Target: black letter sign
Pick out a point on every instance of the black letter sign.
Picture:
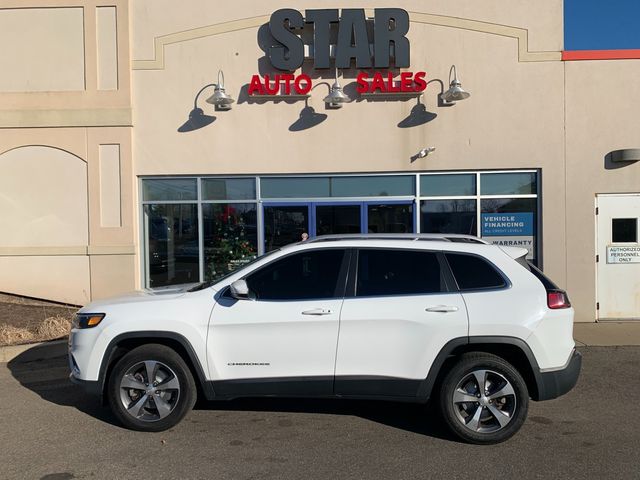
(322, 20)
(289, 55)
(353, 40)
(384, 35)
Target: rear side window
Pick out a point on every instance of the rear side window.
(473, 273)
(398, 272)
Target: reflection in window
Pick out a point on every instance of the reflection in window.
(385, 218)
(295, 187)
(284, 225)
(230, 237)
(337, 219)
(448, 185)
(448, 216)
(391, 185)
(228, 188)
(172, 237)
(508, 183)
(169, 189)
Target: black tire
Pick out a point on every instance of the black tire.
(487, 420)
(168, 367)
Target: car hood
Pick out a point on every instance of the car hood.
(139, 296)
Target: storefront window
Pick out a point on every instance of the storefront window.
(448, 216)
(228, 188)
(379, 186)
(448, 185)
(172, 238)
(295, 187)
(169, 189)
(243, 217)
(230, 237)
(511, 222)
(518, 183)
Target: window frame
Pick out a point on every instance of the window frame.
(341, 282)
(445, 273)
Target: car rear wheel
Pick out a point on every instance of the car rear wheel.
(483, 399)
(151, 388)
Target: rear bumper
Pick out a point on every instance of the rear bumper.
(558, 382)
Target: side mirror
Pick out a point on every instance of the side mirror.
(240, 290)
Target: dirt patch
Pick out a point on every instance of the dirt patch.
(27, 320)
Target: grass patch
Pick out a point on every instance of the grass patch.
(50, 328)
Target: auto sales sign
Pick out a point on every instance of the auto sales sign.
(349, 38)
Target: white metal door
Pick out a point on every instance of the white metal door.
(618, 250)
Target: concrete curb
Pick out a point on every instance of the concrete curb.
(37, 351)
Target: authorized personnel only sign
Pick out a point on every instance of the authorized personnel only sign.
(623, 254)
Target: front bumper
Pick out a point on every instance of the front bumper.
(558, 382)
(92, 387)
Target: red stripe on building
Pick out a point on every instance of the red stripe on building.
(600, 54)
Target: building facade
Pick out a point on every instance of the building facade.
(117, 173)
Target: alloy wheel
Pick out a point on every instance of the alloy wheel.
(149, 391)
(484, 401)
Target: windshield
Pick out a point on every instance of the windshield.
(208, 283)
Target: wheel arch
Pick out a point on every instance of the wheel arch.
(125, 342)
(512, 349)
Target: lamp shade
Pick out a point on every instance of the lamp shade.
(336, 96)
(220, 98)
(455, 92)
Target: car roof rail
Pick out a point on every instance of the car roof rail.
(438, 237)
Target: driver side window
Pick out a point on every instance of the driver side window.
(312, 274)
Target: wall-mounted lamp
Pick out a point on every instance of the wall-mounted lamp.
(220, 98)
(455, 92)
(336, 96)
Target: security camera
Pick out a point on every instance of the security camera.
(426, 151)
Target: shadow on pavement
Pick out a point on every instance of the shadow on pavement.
(43, 369)
(416, 418)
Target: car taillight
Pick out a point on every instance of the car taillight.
(557, 299)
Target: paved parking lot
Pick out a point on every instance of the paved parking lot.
(50, 430)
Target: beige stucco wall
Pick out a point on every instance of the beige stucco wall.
(53, 36)
(601, 116)
(66, 209)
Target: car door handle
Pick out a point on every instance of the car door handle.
(442, 308)
(317, 311)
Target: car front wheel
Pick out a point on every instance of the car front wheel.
(151, 388)
(483, 399)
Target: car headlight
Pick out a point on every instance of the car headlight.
(87, 320)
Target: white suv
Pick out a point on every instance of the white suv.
(400, 318)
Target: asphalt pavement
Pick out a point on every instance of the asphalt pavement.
(50, 430)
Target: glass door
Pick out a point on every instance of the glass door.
(286, 223)
(338, 218)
